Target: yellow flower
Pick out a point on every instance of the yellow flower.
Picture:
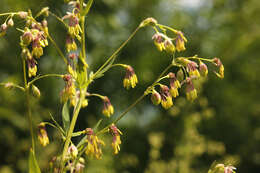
(219, 64)
(192, 69)
(203, 69)
(174, 85)
(108, 109)
(32, 67)
(166, 97)
(116, 138)
(156, 97)
(191, 92)
(130, 79)
(71, 44)
(42, 135)
(180, 42)
(94, 144)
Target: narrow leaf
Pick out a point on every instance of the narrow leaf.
(33, 165)
(87, 8)
(66, 116)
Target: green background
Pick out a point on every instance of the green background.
(223, 124)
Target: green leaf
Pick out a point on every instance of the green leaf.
(33, 165)
(66, 116)
(87, 8)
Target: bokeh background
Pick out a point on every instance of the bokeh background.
(223, 124)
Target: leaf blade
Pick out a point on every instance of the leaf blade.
(33, 165)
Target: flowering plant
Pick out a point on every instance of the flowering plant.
(75, 95)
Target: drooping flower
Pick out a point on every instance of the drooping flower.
(169, 46)
(71, 44)
(191, 92)
(32, 67)
(180, 42)
(116, 138)
(37, 50)
(203, 69)
(74, 27)
(174, 85)
(192, 69)
(69, 90)
(158, 41)
(166, 97)
(219, 64)
(108, 108)
(130, 79)
(42, 135)
(155, 97)
(93, 144)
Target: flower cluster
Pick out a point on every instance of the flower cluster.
(33, 40)
(94, 144)
(116, 138)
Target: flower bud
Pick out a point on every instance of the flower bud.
(155, 97)
(3, 28)
(42, 135)
(10, 22)
(203, 69)
(36, 92)
(22, 14)
(169, 46)
(180, 75)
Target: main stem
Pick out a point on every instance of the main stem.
(29, 112)
(72, 126)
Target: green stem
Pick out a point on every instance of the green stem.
(5, 14)
(167, 27)
(29, 113)
(116, 52)
(72, 126)
(13, 85)
(44, 76)
(57, 48)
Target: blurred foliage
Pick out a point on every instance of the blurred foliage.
(223, 124)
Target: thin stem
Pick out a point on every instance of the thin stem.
(57, 48)
(202, 59)
(29, 113)
(44, 76)
(116, 52)
(167, 27)
(5, 14)
(96, 95)
(13, 85)
(59, 19)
